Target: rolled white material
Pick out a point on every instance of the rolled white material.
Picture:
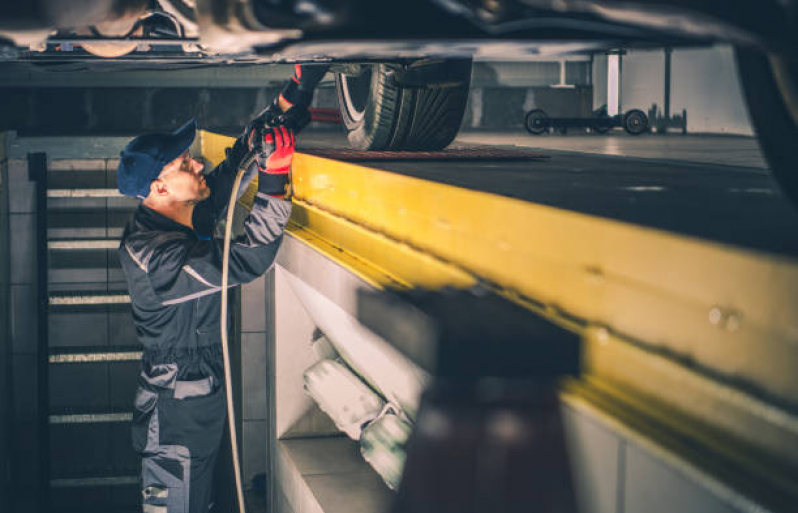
(382, 445)
(394, 376)
(348, 401)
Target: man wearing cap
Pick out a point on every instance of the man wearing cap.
(173, 269)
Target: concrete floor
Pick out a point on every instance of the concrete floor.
(711, 149)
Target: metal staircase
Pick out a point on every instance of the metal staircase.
(86, 333)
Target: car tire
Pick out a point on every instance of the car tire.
(536, 121)
(184, 12)
(635, 122)
(770, 87)
(380, 112)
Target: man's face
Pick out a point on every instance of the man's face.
(184, 180)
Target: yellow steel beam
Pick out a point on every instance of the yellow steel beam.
(698, 331)
(726, 309)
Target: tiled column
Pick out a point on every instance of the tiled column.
(5, 330)
(254, 380)
(24, 331)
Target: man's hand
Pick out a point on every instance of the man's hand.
(295, 118)
(259, 127)
(274, 162)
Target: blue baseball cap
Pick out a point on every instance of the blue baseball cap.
(145, 156)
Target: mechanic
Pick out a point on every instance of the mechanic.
(173, 270)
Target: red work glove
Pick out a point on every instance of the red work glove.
(274, 162)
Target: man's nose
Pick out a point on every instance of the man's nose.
(197, 166)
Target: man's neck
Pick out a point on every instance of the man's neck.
(180, 212)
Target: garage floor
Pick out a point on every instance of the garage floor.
(716, 149)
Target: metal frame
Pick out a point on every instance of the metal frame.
(37, 169)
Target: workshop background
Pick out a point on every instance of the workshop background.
(39, 108)
(703, 83)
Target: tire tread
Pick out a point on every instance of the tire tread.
(408, 118)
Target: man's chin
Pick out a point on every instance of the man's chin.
(201, 196)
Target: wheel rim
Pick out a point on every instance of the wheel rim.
(356, 93)
(636, 122)
(536, 122)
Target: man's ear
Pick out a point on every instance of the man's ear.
(158, 188)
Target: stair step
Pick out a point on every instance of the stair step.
(94, 356)
(89, 299)
(92, 449)
(84, 193)
(83, 244)
(124, 498)
(90, 418)
(83, 482)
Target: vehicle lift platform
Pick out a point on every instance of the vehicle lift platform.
(684, 308)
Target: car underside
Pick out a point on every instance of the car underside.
(416, 54)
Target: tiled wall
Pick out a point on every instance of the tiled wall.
(254, 380)
(616, 471)
(703, 81)
(5, 332)
(504, 108)
(23, 332)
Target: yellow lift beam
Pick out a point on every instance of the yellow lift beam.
(693, 343)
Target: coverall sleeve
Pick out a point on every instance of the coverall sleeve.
(182, 268)
(300, 87)
(221, 179)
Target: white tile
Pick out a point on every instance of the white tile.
(359, 492)
(22, 231)
(287, 477)
(293, 355)
(281, 503)
(254, 376)
(23, 319)
(654, 486)
(253, 306)
(593, 451)
(21, 191)
(24, 369)
(328, 455)
(254, 449)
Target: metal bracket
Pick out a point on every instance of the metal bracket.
(425, 74)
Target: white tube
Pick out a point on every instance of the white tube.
(231, 420)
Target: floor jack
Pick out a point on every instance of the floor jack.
(634, 121)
